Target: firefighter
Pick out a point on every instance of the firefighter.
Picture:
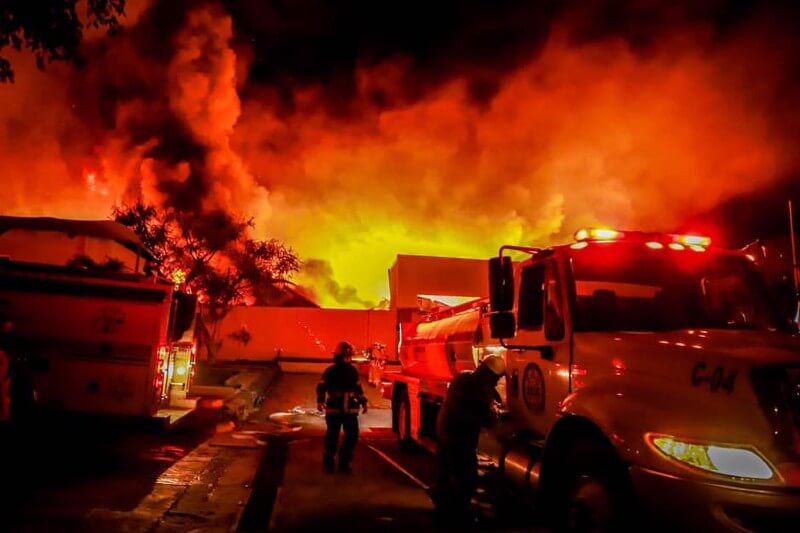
(377, 363)
(5, 400)
(468, 407)
(5, 372)
(340, 395)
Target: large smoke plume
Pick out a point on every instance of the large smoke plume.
(444, 128)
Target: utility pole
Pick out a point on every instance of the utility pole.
(794, 266)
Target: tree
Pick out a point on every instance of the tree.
(211, 253)
(52, 29)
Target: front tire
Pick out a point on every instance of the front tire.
(593, 492)
(22, 394)
(5, 388)
(589, 505)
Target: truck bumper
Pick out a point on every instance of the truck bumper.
(716, 506)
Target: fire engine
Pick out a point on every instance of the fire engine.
(87, 338)
(645, 372)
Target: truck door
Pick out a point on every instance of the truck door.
(539, 354)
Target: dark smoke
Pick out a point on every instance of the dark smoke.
(124, 87)
(745, 218)
(356, 130)
(301, 43)
(319, 273)
(313, 41)
(306, 42)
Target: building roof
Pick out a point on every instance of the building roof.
(433, 278)
(282, 294)
(101, 229)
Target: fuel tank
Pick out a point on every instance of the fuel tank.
(440, 349)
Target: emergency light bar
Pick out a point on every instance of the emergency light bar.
(693, 240)
(598, 234)
(654, 241)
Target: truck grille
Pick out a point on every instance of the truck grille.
(778, 390)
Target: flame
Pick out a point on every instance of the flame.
(91, 181)
(580, 135)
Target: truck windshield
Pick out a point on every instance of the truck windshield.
(624, 288)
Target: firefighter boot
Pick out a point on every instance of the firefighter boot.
(328, 462)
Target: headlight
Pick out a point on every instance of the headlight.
(720, 459)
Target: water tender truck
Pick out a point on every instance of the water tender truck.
(644, 371)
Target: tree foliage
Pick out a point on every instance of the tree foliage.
(52, 29)
(212, 252)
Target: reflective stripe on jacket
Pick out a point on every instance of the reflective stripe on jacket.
(347, 402)
(340, 390)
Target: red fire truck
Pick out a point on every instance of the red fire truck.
(85, 337)
(641, 367)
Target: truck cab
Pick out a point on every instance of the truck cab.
(646, 371)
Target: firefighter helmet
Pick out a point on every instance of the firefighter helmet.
(496, 364)
(345, 349)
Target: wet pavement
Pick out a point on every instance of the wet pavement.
(264, 474)
(61, 469)
(387, 490)
(375, 497)
(292, 401)
(72, 473)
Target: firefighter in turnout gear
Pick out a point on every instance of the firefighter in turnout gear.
(468, 407)
(340, 395)
(5, 372)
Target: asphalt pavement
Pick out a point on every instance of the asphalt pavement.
(265, 474)
(387, 490)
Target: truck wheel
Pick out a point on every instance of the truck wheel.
(589, 506)
(22, 396)
(5, 400)
(593, 492)
(404, 437)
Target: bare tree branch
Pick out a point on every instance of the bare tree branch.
(51, 29)
(214, 251)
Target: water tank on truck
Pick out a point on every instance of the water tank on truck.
(441, 349)
(431, 354)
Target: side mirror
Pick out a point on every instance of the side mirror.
(502, 325)
(501, 284)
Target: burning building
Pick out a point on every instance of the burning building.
(372, 129)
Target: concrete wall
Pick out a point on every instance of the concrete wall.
(301, 333)
(302, 336)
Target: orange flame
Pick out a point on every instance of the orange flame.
(582, 134)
